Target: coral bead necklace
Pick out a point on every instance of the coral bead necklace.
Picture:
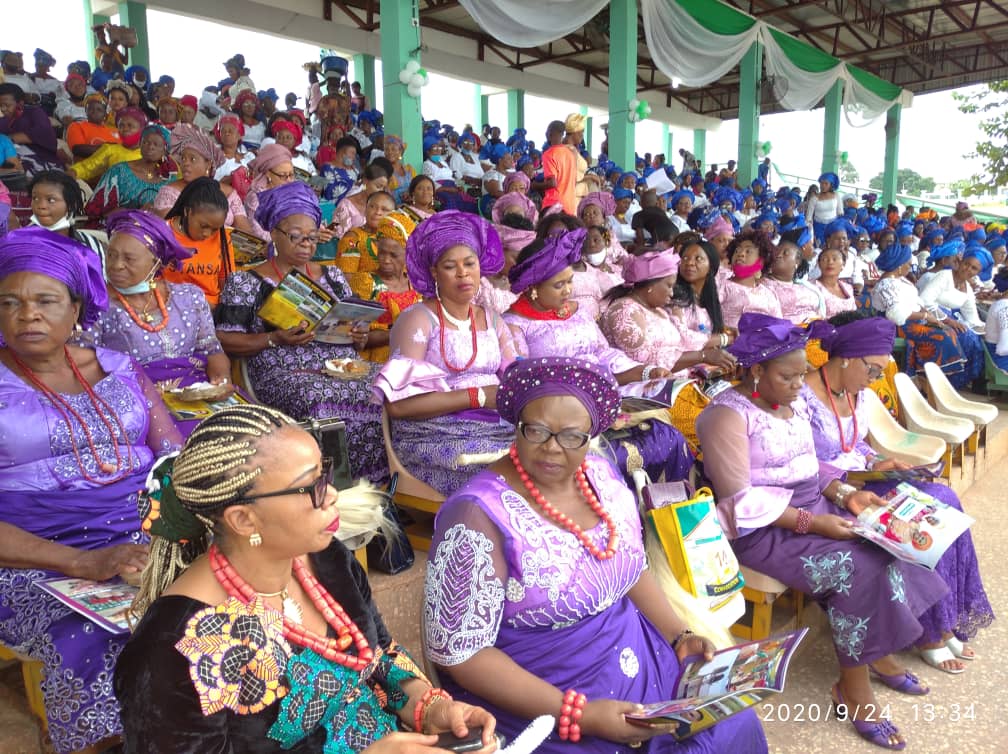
(145, 319)
(836, 414)
(564, 520)
(332, 649)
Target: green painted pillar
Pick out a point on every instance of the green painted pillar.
(892, 133)
(666, 140)
(588, 128)
(700, 147)
(831, 129)
(90, 21)
(364, 72)
(484, 113)
(134, 15)
(400, 34)
(515, 110)
(622, 79)
(750, 73)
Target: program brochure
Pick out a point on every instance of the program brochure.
(735, 679)
(913, 526)
(299, 299)
(104, 603)
(914, 474)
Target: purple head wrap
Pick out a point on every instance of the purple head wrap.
(873, 336)
(188, 136)
(48, 253)
(514, 238)
(558, 253)
(762, 338)
(602, 199)
(151, 231)
(527, 380)
(442, 231)
(651, 266)
(526, 207)
(720, 227)
(294, 198)
(517, 176)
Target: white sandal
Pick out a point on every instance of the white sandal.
(935, 657)
(956, 647)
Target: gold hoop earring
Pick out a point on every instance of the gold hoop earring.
(255, 539)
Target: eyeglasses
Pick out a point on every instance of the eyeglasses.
(316, 490)
(566, 438)
(296, 237)
(874, 370)
(282, 176)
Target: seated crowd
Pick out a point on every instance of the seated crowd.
(524, 294)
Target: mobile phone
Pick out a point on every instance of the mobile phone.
(473, 742)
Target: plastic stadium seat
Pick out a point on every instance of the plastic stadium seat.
(946, 399)
(920, 417)
(893, 441)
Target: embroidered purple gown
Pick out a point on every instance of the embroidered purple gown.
(43, 492)
(965, 609)
(501, 576)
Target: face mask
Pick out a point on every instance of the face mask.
(131, 141)
(144, 286)
(435, 158)
(745, 270)
(62, 224)
(349, 162)
(596, 259)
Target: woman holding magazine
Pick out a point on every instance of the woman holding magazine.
(538, 599)
(790, 516)
(286, 367)
(859, 350)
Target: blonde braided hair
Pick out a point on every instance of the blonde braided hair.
(214, 469)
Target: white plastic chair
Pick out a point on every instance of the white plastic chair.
(920, 417)
(893, 441)
(947, 400)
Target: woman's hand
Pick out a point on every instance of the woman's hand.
(606, 718)
(658, 373)
(858, 501)
(890, 464)
(459, 717)
(404, 743)
(326, 234)
(103, 564)
(295, 336)
(359, 337)
(721, 359)
(692, 644)
(832, 526)
(954, 324)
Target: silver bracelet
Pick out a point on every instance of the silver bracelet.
(646, 374)
(724, 339)
(843, 490)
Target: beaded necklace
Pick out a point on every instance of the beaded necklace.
(470, 323)
(280, 277)
(143, 320)
(564, 520)
(104, 411)
(836, 414)
(332, 649)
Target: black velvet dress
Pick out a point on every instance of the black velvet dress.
(162, 711)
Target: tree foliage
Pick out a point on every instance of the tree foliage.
(907, 182)
(849, 173)
(992, 102)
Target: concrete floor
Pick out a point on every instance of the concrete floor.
(965, 714)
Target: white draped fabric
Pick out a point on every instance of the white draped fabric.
(528, 23)
(804, 88)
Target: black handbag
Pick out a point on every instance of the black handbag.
(330, 434)
(391, 554)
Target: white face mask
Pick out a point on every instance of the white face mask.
(596, 259)
(62, 224)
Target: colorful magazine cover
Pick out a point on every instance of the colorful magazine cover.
(104, 603)
(914, 474)
(913, 526)
(735, 679)
(190, 410)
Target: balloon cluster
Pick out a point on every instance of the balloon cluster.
(763, 149)
(638, 110)
(414, 77)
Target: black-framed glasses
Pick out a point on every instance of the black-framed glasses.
(316, 490)
(537, 434)
(297, 237)
(282, 176)
(874, 370)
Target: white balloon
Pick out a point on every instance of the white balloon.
(416, 80)
(412, 66)
(405, 76)
(413, 91)
(634, 103)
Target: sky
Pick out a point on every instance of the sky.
(935, 136)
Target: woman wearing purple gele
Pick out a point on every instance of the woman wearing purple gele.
(859, 350)
(789, 517)
(539, 558)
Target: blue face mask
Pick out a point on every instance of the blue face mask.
(144, 286)
(435, 158)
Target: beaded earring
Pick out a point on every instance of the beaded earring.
(255, 539)
(844, 363)
(755, 388)
(533, 294)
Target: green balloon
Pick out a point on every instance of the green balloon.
(766, 147)
(843, 158)
(422, 72)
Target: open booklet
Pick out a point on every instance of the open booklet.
(913, 525)
(104, 603)
(735, 679)
(299, 299)
(914, 474)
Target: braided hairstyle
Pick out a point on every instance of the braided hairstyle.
(72, 194)
(203, 193)
(186, 493)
